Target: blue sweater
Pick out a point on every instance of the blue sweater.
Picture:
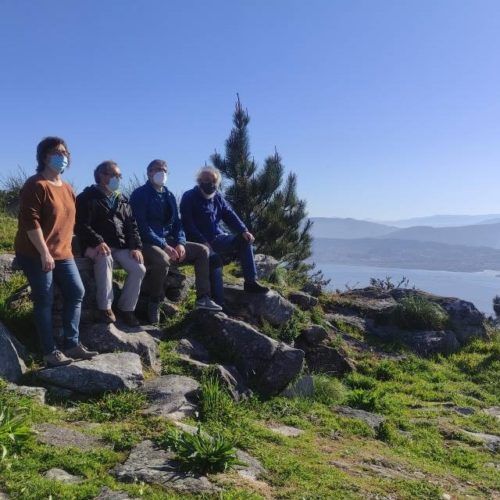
(157, 216)
(201, 217)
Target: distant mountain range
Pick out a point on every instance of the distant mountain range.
(443, 220)
(472, 247)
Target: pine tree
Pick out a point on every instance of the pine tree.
(267, 203)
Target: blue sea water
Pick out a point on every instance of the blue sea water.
(478, 288)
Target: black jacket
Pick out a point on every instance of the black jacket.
(96, 222)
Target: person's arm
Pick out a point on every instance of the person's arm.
(36, 237)
(83, 224)
(187, 219)
(138, 204)
(177, 234)
(230, 218)
(131, 230)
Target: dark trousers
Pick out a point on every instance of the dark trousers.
(230, 244)
(66, 276)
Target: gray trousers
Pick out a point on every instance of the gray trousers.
(157, 264)
(103, 272)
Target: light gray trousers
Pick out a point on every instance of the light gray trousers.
(103, 272)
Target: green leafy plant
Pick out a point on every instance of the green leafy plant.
(416, 312)
(328, 390)
(200, 452)
(14, 430)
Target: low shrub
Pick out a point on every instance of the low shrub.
(200, 452)
(419, 313)
(328, 390)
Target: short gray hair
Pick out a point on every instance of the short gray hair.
(211, 170)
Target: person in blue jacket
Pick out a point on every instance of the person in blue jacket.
(203, 208)
(164, 242)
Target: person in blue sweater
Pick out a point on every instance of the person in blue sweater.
(164, 242)
(203, 208)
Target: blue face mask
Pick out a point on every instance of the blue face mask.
(114, 184)
(58, 163)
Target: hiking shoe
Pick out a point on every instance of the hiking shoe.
(254, 287)
(80, 352)
(128, 317)
(154, 312)
(56, 358)
(207, 303)
(106, 316)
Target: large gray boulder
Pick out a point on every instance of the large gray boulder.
(153, 465)
(171, 396)
(12, 367)
(270, 306)
(103, 373)
(303, 300)
(267, 366)
(103, 338)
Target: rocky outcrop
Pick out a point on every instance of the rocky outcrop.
(171, 396)
(7, 267)
(62, 476)
(153, 465)
(271, 306)
(36, 393)
(233, 381)
(106, 338)
(267, 366)
(266, 265)
(108, 494)
(303, 300)
(103, 373)
(12, 367)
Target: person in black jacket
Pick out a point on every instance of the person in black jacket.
(108, 231)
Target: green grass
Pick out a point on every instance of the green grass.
(8, 229)
(419, 313)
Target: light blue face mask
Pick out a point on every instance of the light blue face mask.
(114, 184)
(58, 162)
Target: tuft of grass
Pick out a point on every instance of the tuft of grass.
(112, 406)
(328, 390)
(200, 452)
(216, 405)
(419, 313)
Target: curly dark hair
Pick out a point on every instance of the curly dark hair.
(45, 146)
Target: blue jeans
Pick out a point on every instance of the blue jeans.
(230, 244)
(66, 276)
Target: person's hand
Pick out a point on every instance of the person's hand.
(137, 256)
(171, 252)
(248, 237)
(47, 262)
(181, 252)
(103, 249)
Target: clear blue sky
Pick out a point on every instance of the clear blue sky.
(384, 109)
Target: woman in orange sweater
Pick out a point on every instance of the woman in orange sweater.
(43, 250)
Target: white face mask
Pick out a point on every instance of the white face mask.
(160, 178)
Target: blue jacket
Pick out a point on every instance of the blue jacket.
(201, 217)
(157, 216)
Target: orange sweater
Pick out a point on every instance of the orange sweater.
(51, 208)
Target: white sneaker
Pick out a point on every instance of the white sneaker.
(206, 302)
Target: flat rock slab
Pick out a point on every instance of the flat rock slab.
(36, 393)
(303, 300)
(252, 469)
(171, 396)
(193, 349)
(153, 465)
(490, 441)
(63, 437)
(494, 411)
(108, 494)
(371, 419)
(285, 430)
(63, 476)
(111, 338)
(103, 373)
